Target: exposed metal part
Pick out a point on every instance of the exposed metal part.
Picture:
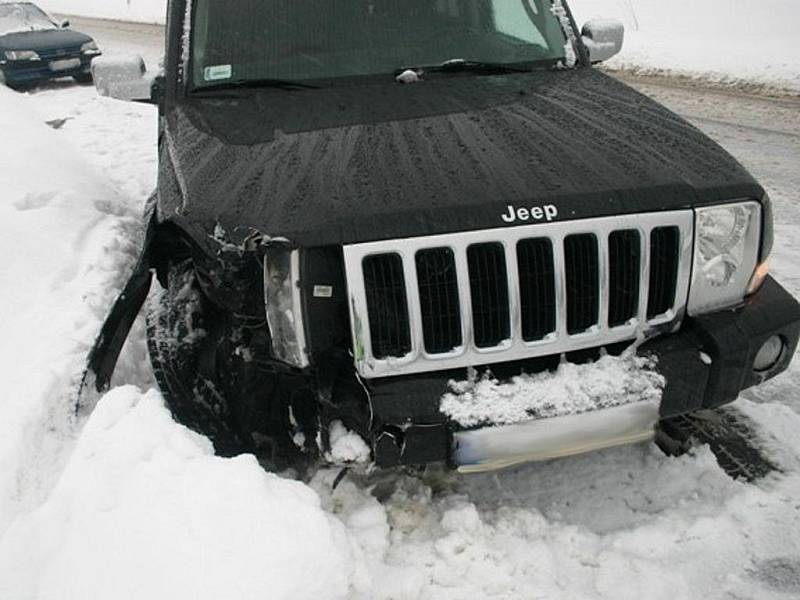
(494, 448)
(514, 348)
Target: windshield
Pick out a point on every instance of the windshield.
(19, 17)
(327, 39)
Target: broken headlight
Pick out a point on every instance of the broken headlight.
(283, 304)
(725, 255)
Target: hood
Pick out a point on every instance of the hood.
(49, 39)
(367, 163)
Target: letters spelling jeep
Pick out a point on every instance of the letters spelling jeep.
(359, 203)
(537, 213)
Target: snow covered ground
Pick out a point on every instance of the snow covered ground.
(737, 42)
(141, 11)
(124, 503)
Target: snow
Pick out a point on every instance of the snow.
(142, 11)
(560, 11)
(726, 41)
(141, 495)
(16, 19)
(126, 503)
(571, 389)
(67, 243)
(346, 446)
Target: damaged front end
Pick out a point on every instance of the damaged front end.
(269, 354)
(309, 349)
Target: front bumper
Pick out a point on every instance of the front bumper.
(706, 364)
(22, 72)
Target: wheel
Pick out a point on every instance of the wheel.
(83, 78)
(214, 373)
(177, 340)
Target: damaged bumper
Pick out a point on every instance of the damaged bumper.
(706, 364)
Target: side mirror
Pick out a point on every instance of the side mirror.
(122, 78)
(64, 24)
(603, 38)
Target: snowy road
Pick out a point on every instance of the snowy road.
(625, 523)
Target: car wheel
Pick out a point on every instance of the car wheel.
(83, 78)
(180, 351)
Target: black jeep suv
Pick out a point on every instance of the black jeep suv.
(366, 207)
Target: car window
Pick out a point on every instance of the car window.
(324, 39)
(23, 16)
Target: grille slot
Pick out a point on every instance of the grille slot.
(389, 327)
(664, 254)
(438, 298)
(624, 268)
(583, 282)
(488, 283)
(537, 288)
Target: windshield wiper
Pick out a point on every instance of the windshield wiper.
(460, 65)
(282, 84)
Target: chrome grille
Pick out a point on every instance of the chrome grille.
(476, 298)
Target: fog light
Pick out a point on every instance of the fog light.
(769, 355)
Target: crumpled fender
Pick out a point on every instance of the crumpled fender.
(106, 350)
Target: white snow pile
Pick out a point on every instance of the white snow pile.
(346, 446)
(66, 244)
(571, 389)
(725, 41)
(144, 509)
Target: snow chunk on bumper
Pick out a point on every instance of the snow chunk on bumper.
(571, 389)
(346, 446)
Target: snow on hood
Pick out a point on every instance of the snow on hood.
(572, 389)
(20, 18)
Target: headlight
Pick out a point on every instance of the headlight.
(284, 310)
(21, 55)
(90, 48)
(725, 255)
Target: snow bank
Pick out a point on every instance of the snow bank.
(142, 11)
(727, 41)
(571, 389)
(66, 242)
(145, 510)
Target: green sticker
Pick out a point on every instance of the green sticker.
(218, 72)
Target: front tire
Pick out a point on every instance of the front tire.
(182, 355)
(83, 78)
